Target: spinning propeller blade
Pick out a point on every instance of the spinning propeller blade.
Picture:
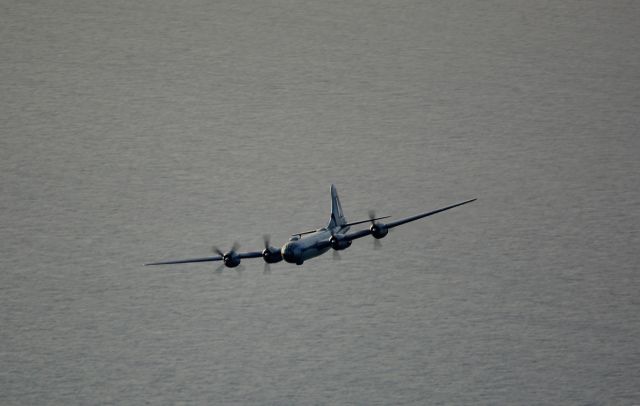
(235, 246)
(376, 242)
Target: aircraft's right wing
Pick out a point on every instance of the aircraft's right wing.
(240, 255)
(364, 233)
(186, 261)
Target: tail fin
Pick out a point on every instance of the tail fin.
(337, 216)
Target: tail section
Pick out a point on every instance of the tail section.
(337, 216)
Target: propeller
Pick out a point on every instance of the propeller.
(267, 266)
(217, 251)
(230, 258)
(336, 256)
(270, 254)
(376, 242)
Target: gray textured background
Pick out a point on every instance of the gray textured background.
(148, 130)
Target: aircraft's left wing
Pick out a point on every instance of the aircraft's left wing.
(366, 232)
(422, 215)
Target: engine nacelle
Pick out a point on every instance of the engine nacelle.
(231, 259)
(338, 243)
(379, 230)
(271, 255)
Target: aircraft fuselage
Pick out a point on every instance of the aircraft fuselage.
(301, 248)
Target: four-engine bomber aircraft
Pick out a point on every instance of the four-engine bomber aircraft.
(310, 244)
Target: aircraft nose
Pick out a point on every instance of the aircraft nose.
(290, 253)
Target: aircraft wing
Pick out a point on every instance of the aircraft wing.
(185, 261)
(254, 254)
(364, 233)
(421, 215)
(241, 255)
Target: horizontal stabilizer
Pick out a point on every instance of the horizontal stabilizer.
(304, 232)
(365, 221)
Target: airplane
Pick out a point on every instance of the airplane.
(310, 244)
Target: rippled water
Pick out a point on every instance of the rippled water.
(138, 131)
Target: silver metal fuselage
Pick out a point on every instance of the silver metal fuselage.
(302, 248)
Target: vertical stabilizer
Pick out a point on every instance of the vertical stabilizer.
(337, 216)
